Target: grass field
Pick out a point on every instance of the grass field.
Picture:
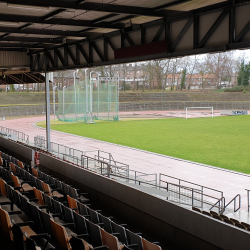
(221, 141)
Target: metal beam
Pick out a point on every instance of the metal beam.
(48, 32)
(182, 33)
(213, 28)
(93, 6)
(55, 21)
(243, 32)
(31, 39)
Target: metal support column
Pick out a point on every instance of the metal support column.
(47, 96)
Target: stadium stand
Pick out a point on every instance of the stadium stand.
(29, 192)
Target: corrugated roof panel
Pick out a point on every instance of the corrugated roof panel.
(13, 59)
(194, 4)
(138, 3)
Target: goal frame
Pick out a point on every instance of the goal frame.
(211, 108)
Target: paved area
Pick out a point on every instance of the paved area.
(229, 182)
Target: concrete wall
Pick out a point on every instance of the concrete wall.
(17, 148)
(165, 218)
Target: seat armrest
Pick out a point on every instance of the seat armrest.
(123, 225)
(43, 206)
(33, 199)
(14, 212)
(5, 203)
(101, 248)
(68, 224)
(115, 234)
(55, 215)
(26, 223)
(133, 246)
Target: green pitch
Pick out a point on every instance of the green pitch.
(222, 141)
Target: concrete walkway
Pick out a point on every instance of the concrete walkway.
(229, 182)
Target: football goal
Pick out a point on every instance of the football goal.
(196, 111)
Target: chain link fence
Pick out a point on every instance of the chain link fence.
(33, 110)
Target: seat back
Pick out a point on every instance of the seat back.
(17, 199)
(16, 181)
(79, 244)
(6, 223)
(149, 246)
(35, 216)
(80, 224)
(48, 202)
(106, 223)
(73, 193)
(93, 216)
(18, 237)
(58, 184)
(46, 189)
(72, 203)
(3, 188)
(20, 164)
(110, 240)
(45, 219)
(10, 191)
(39, 196)
(60, 235)
(65, 189)
(82, 209)
(122, 236)
(94, 233)
(1, 161)
(56, 206)
(25, 205)
(12, 166)
(134, 239)
(39, 185)
(67, 214)
(34, 172)
(34, 181)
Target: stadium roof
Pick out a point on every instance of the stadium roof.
(42, 24)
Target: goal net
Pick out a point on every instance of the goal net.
(192, 112)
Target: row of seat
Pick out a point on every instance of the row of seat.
(224, 218)
(97, 229)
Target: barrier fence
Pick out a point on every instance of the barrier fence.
(26, 110)
(14, 134)
(179, 191)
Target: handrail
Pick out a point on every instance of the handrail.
(233, 200)
(222, 199)
(180, 180)
(248, 190)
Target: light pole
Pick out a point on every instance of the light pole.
(54, 97)
(91, 96)
(63, 101)
(75, 93)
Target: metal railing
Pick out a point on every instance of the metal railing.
(120, 171)
(248, 205)
(20, 136)
(220, 204)
(26, 110)
(205, 191)
(181, 105)
(234, 201)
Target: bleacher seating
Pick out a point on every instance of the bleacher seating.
(55, 209)
(224, 218)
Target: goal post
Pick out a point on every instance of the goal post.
(200, 108)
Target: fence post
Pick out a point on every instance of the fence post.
(192, 197)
